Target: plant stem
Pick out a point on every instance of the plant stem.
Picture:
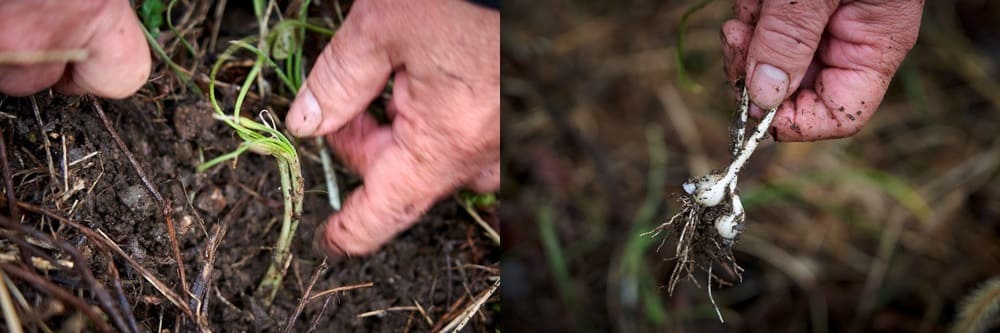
(291, 190)
(332, 189)
(177, 69)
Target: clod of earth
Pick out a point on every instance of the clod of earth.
(137, 198)
(211, 201)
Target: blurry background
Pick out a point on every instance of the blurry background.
(886, 231)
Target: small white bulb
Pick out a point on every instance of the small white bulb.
(708, 190)
(726, 226)
(689, 187)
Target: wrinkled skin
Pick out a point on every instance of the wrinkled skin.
(826, 63)
(444, 134)
(118, 63)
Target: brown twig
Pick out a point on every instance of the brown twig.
(128, 153)
(220, 8)
(305, 296)
(450, 314)
(50, 289)
(122, 301)
(45, 138)
(381, 312)
(8, 180)
(7, 305)
(459, 322)
(423, 313)
(80, 265)
(339, 289)
(108, 244)
(8, 183)
(39, 263)
(29, 251)
(204, 280)
(315, 321)
(164, 204)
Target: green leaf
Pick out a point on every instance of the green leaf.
(151, 12)
(470, 199)
(284, 42)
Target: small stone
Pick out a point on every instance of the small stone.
(184, 224)
(192, 120)
(137, 199)
(211, 201)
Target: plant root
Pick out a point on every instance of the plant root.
(712, 216)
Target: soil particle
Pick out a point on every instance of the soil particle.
(184, 224)
(184, 153)
(211, 201)
(137, 199)
(193, 120)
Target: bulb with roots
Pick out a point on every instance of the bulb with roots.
(711, 189)
(712, 208)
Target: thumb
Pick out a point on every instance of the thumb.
(783, 45)
(389, 202)
(351, 71)
(119, 62)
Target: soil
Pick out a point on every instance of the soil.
(437, 264)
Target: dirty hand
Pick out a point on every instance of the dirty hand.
(117, 59)
(827, 63)
(444, 57)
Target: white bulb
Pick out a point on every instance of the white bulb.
(726, 226)
(708, 190)
(689, 187)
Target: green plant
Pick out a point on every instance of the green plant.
(558, 264)
(170, 25)
(470, 201)
(151, 14)
(263, 137)
(636, 282)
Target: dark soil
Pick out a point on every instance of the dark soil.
(439, 263)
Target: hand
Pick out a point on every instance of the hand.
(444, 57)
(117, 62)
(826, 63)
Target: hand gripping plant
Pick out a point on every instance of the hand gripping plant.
(712, 215)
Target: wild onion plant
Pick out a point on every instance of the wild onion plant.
(712, 216)
(282, 43)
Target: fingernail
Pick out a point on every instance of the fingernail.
(306, 114)
(768, 86)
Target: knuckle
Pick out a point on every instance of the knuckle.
(332, 83)
(794, 40)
